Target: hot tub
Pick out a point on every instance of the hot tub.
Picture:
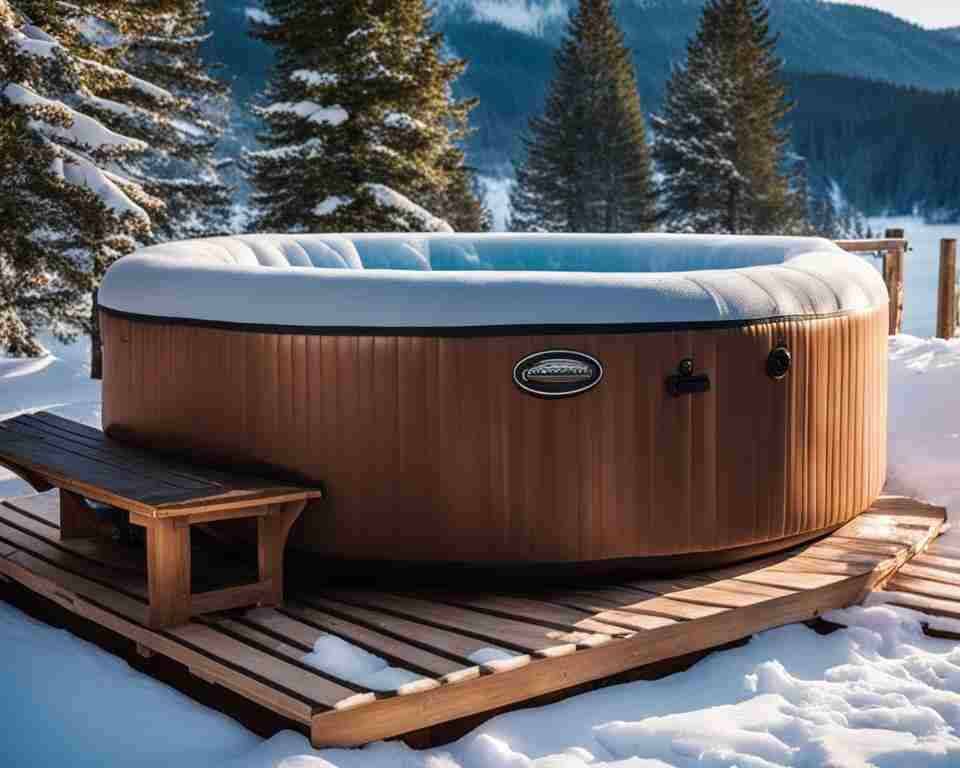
(655, 401)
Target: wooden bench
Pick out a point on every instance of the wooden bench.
(163, 496)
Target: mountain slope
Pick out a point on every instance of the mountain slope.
(891, 149)
(510, 46)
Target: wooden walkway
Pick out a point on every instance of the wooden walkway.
(555, 639)
(930, 583)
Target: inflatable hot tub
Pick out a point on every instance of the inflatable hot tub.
(656, 401)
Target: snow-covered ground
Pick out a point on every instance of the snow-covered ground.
(878, 693)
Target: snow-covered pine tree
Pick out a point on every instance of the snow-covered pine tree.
(68, 208)
(719, 140)
(162, 46)
(90, 137)
(361, 122)
(587, 165)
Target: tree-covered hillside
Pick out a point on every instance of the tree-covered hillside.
(891, 149)
(511, 53)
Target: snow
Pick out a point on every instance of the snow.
(330, 204)
(496, 195)
(401, 120)
(108, 187)
(259, 16)
(306, 149)
(450, 280)
(390, 198)
(312, 77)
(924, 413)
(878, 693)
(487, 655)
(347, 662)
(521, 15)
(332, 115)
(84, 131)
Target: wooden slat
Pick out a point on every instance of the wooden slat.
(97, 444)
(296, 654)
(66, 584)
(122, 581)
(453, 644)
(941, 563)
(229, 597)
(919, 569)
(937, 589)
(871, 246)
(129, 465)
(520, 636)
(527, 609)
(99, 549)
(310, 686)
(635, 601)
(608, 610)
(949, 609)
(304, 625)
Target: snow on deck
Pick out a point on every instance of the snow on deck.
(877, 693)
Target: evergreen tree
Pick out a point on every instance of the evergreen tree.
(587, 165)
(361, 123)
(81, 139)
(718, 140)
(179, 167)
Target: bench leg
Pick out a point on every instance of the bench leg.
(273, 530)
(77, 518)
(168, 573)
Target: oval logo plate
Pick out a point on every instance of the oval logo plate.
(557, 373)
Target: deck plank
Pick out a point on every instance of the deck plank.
(310, 686)
(118, 579)
(513, 634)
(452, 644)
(528, 609)
(315, 624)
(98, 549)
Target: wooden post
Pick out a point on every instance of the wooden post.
(273, 530)
(947, 294)
(893, 276)
(77, 518)
(168, 573)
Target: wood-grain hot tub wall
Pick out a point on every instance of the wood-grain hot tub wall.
(429, 452)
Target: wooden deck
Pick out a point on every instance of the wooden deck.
(930, 583)
(559, 639)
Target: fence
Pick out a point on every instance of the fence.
(893, 248)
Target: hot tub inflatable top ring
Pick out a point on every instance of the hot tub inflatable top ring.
(435, 281)
(596, 402)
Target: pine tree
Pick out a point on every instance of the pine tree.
(85, 145)
(586, 165)
(163, 48)
(67, 207)
(362, 132)
(718, 140)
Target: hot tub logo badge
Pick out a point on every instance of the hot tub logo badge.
(557, 373)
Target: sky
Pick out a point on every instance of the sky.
(927, 13)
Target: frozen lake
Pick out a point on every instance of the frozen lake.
(921, 269)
